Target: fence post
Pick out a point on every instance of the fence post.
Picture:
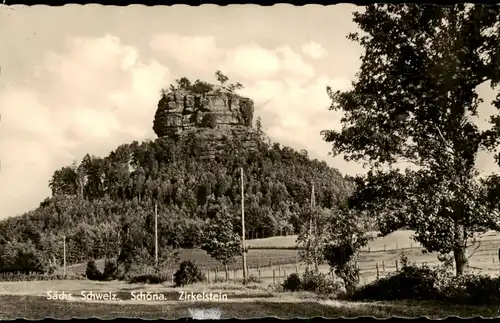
(258, 265)
(369, 249)
(274, 277)
(208, 276)
(259, 274)
(376, 266)
(279, 271)
(396, 265)
(383, 266)
(296, 269)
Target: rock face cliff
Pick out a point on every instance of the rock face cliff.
(214, 117)
(180, 110)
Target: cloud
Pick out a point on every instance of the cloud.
(294, 113)
(249, 61)
(92, 97)
(99, 93)
(252, 61)
(197, 52)
(314, 50)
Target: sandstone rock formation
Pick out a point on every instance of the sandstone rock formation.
(179, 110)
(212, 143)
(211, 120)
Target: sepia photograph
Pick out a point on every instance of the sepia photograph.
(245, 161)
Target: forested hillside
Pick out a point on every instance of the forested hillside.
(105, 206)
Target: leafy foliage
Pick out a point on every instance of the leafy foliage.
(114, 216)
(411, 282)
(472, 289)
(148, 279)
(221, 241)
(414, 101)
(423, 283)
(20, 257)
(188, 273)
(110, 269)
(92, 272)
(292, 283)
(317, 282)
(104, 206)
(313, 237)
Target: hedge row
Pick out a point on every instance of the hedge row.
(12, 277)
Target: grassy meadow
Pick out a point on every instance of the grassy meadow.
(28, 299)
(279, 253)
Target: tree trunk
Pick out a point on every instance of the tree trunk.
(459, 250)
(227, 272)
(460, 260)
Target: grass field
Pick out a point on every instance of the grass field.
(483, 257)
(28, 299)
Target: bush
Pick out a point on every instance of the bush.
(188, 273)
(292, 283)
(471, 289)
(92, 272)
(252, 279)
(314, 281)
(411, 282)
(148, 279)
(33, 276)
(110, 269)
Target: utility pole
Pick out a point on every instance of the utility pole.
(313, 215)
(311, 246)
(64, 254)
(245, 274)
(310, 229)
(156, 234)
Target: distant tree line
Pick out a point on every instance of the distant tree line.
(105, 206)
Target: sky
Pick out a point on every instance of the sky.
(85, 79)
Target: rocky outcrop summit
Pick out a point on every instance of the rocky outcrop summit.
(213, 119)
(180, 110)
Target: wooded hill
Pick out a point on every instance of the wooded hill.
(104, 206)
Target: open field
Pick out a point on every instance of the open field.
(483, 257)
(28, 300)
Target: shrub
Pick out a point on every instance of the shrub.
(110, 269)
(33, 276)
(292, 283)
(252, 279)
(472, 289)
(411, 282)
(314, 281)
(148, 279)
(92, 272)
(188, 273)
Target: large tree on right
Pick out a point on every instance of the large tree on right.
(414, 101)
